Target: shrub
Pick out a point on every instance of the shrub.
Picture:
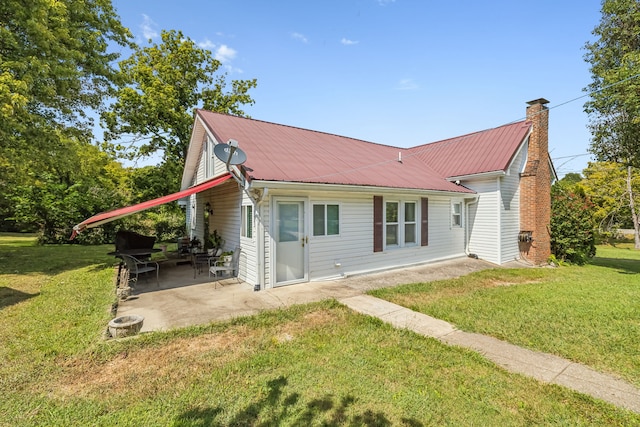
(572, 224)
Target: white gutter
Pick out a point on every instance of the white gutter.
(476, 175)
(304, 186)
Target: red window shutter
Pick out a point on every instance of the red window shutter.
(377, 224)
(424, 222)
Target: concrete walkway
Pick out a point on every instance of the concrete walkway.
(200, 301)
(541, 366)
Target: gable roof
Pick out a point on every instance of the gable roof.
(284, 153)
(482, 152)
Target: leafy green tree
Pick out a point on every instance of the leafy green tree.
(614, 106)
(54, 64)
(54, 67)
(571, 178)
(165, 83)
(79, 181)
(572, 224)
(606, 184)
(167, 222)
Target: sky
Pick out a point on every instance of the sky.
(396, 72)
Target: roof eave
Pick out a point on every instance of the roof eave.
(523, 143)
(490, 174)
(352, 187)
(193, 152)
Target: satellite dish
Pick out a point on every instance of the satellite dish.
(230, 154)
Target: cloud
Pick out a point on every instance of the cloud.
(222, 53)
(300, 37)
(407, 84)
(207, 44)
(385, 2)
(348, 42)
(225, 54)
(148, 28)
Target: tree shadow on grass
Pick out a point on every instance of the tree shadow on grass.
(277, 408)
(624, 266)
(10, 296)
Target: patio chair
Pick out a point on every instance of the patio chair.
(136, 266)
(219, 269)
(202, 260)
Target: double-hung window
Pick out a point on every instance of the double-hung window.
(392, 223)
(410, 228)
(326, 219)
(400, 223)
(456, 214)
(246, 226)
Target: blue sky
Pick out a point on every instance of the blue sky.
(396, 72)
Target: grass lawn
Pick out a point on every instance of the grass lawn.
(317, 364)
(588, 314)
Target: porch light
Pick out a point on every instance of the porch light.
(208, 209)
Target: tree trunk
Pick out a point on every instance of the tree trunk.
(634, 214)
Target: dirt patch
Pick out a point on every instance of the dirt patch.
(172, 361)
(180, 361)
(499, 283)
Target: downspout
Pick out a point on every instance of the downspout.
(467, 234)
(499, 224)
(259, 201)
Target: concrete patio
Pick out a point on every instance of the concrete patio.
(182, 300)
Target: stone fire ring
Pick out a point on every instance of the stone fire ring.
(125, 326)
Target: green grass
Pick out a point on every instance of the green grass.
(317, 364)
(588, 314)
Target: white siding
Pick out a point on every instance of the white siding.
(201, 170)
(225, 201)
(351, 252)
(494, 221)
(510, 194)
(265, 220)
(483, 220)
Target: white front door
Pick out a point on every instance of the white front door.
(291, 242)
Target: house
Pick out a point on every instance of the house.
(308, 205)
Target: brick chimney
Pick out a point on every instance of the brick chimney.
(535, 188)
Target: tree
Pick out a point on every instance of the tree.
(54, 64)
(572, 224)
(54, 67)
(606, 185)
(79, 181)
(614, 107)
(165, 82)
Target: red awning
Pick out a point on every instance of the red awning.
(105, 217)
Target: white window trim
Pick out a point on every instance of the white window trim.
(244, 221)
(416, 235)
(401, 223)
(209, 166)
(312, 222)
(452, 214)
(384, 228)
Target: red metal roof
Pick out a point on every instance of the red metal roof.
(284, 153)
(491, 150)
